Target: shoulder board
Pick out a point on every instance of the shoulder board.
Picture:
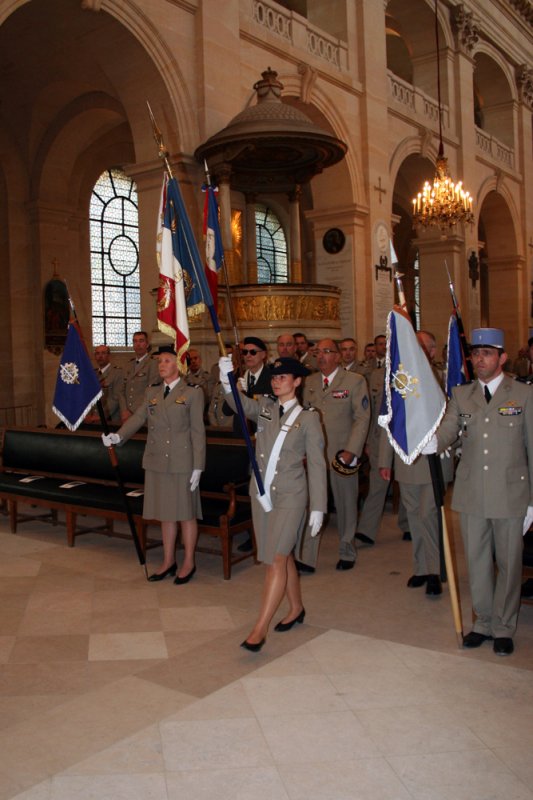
(193, 385)
(157, 383)
(309, 408)
(525, 379)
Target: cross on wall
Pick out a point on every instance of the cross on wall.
(380, 189)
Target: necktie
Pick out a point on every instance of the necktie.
(167, 391)
(281, 411)
(486, 392)
(325, 384)
(251, 382)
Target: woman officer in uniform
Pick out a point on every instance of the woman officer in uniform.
(173, 461)
(286, 435)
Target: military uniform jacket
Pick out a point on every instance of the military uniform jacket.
(344, 409)
(495, 474)
(176, 434)
(289, 488)
(112, 383)
(376, 385)
(417, 473)
(262, 386)
(136, 380)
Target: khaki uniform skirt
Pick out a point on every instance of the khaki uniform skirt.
(168, 497)
(277, 532)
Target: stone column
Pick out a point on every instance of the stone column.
(295, 241)
(224, 193)
(251, 240)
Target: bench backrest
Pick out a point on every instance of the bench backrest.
(78, 454)
(81, 455)
(226, 462)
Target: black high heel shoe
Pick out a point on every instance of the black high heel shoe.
(286, 626)
(186, 578)
(253, 648)
(159, 576)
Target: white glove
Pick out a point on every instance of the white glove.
(431, 446)
(225, 366)
(195, 479)
(446, 453)
(110, 439)
(316, 518)
(528, 520)
(242, 384)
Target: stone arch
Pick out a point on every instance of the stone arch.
(413, 23)
(504, 284)
(495, 95)
(180, 102)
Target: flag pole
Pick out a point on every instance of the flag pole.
(201, 281)
(462, 336)
(112, 455)
(437, 481)
(231, 307)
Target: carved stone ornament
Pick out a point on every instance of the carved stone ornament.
(265, 308)
(466, 28)
(524, 81)
(91, 5)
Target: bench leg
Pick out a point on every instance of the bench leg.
(12, 507)
(225, 545)
(141, 534)
(70, 519)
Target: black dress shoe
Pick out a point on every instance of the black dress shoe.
(246, 546)
(301, 567)
(364, 539)
(416, 580)
(253, 648)
(503, 646)
(475, 639)
(286, 626)
(433, 585)
(343, 564)
(186, 578)
(159, 576)
(407, 536)
(527, 589)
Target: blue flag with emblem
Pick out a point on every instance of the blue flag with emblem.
(413, 402)
(455, 373)
(77, 387)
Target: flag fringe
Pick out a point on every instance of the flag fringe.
(74, 426)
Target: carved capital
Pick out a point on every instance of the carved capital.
(466, 28)
(309, 76)
(91, 5)
(524, 81)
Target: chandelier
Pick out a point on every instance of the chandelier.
(443, 203)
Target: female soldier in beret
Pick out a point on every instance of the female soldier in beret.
(286, 435)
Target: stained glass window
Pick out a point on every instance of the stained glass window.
(271, 247)
(114, 242)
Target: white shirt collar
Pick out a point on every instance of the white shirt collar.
(330, 377)
(104, 369)
(493, 384)
(174, 383)
(289, 404)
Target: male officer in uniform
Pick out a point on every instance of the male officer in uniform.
(142, 372)
(197, 376)
(342, 399)
(111, 380)
(256, 381)
(494, 485)
(303, 352)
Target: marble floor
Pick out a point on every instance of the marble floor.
(112, 687)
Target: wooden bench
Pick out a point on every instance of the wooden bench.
(37, 464)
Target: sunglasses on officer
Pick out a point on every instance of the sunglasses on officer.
(249, 352)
